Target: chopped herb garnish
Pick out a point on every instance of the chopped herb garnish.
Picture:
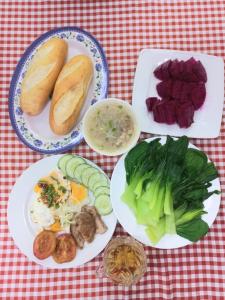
(49, 195)
(53, 178)
(62, 189)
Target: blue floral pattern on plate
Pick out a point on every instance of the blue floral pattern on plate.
(101, 76)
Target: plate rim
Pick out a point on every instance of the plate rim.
(16, 75)
(12, 232)
(155, 246)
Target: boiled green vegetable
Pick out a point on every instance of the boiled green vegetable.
(166, 187)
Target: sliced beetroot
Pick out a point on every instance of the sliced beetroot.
(188, 73)
(159, 113)
(198, 95)
(164, 88)
(165, 112)
(150, 102)
(182, 90)
(181, 70)
(200, 71)
(158, 72)
(175, 69)
(184, 114)
(165, 70)
(177, 87)
(186, 91)
(162, 71)
(170, 111)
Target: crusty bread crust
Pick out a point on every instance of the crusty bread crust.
(70, 93)
(41, 75)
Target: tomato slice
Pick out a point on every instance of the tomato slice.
(65, 250)
(44, 244)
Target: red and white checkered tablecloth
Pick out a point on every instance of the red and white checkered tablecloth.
(123, 28)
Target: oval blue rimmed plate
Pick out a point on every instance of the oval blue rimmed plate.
(34, 131)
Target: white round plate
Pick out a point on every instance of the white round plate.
(127, 218)
(34, 131)
(23, 230)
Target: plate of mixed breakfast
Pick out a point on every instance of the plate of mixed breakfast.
(63, 211)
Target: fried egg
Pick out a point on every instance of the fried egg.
(57, 214)
(41, 214)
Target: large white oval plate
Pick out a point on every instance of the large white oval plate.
(128, 221)
(34, 131)
(21, 228)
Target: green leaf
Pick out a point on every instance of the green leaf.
(190, 215)
(210, 173)
(133, 159)
(195, 162)
(193, 230)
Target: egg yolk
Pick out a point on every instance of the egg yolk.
(37, 189)
(79, 192)
(56, 226)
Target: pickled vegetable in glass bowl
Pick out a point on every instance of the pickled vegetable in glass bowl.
(124, 261)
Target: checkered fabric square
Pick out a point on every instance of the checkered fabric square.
(123, 29)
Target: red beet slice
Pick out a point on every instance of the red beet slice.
(151, 102)
(200, 71)
(158, 72)
(198, 95)
(170, 111)
(174, 69)
(184, 114)
(189, 74)
(165, 70)
(186, 91)
(181, 70)
(177, 87)
(165, 112)
(164, 88)
(159, 113)
(162, 71)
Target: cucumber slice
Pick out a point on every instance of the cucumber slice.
(63, 161)
(101, 190)
(94, 178)
(103, 204)
(72, 164)
(79, 170)
(102, 181)
(87, 173)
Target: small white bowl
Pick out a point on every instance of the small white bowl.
(90, 133)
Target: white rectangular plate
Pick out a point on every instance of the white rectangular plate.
(207, 120)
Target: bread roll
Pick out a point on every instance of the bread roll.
(70, 93)
(41, 75)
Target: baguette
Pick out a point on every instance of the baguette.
(41, 75)
(70, 93)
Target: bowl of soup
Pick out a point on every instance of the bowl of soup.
(110, 127)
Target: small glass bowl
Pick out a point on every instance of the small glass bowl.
(124, 261)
